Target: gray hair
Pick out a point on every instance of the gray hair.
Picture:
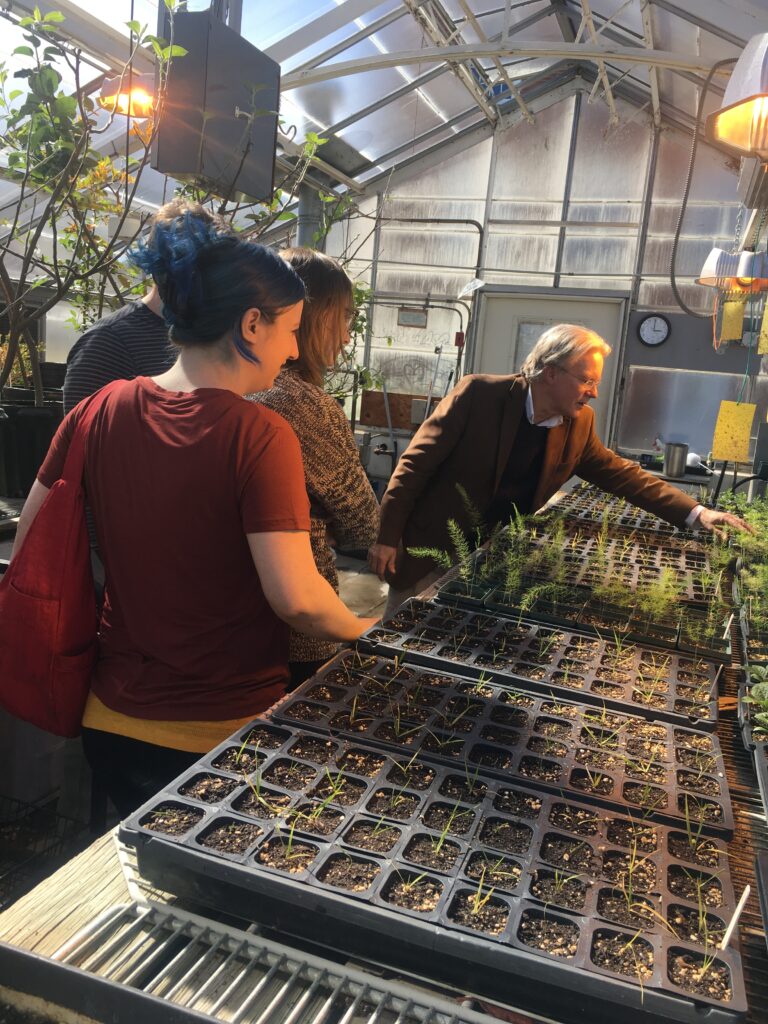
(559, 344)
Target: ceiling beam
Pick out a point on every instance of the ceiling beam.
(560, 11)
(318, 28)
(108, 46)
(422, 80)
(499, 66)
(485, 51)
(691, 10)
(355, 38)
(438, 25)
(625, 36)
(545, 95)
(603, 75)
(653, 74)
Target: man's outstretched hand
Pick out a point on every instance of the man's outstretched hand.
(710, 519)
(382, 559)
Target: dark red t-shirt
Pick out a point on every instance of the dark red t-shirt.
(175, 482)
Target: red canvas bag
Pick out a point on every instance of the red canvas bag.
(48, 621)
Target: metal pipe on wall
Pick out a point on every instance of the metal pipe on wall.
(309, 219)
(567, 187)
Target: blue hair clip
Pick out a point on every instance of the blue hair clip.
(239, 342)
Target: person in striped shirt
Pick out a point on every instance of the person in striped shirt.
(133, 340)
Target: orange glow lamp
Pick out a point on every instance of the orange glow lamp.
(131, 95)
(741, 272)
(741, 123)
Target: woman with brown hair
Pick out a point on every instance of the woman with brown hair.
(343, 507)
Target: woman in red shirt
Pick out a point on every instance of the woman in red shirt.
(201, 516)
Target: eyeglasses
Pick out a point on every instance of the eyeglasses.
(588, 383)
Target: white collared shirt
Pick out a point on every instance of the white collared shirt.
(553, 421)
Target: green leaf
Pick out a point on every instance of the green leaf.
(170, 5)
(173, 51)
(25, 51)
(286, 215)
(52, 52)
(55, 16)
(14, 94)
(759, 692)
(66, 106)
(134, 26)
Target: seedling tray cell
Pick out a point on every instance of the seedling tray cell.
(478, 912)
(614, 673)
(664, 771)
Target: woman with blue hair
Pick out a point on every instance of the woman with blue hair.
(202, 518)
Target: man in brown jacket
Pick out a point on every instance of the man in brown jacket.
(512, 441)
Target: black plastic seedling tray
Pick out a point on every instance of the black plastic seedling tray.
(583, 555)
(761, 874)
(591, 504)
(461, 855)
(633, 678)
(760, 760)
(582, 611)
(665, 771)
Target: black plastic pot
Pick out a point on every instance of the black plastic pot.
(343, 895)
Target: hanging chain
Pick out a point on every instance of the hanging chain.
(739, 219)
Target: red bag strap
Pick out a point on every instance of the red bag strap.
(74, 463)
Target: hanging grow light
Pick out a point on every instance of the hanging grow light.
(131, 95)
(741, 123)
(744, 273)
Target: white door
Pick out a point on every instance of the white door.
(511, 322)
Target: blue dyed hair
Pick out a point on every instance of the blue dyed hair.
(208, 280)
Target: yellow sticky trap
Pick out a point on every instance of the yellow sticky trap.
(732, 430)
(732, 327)
(762, 341)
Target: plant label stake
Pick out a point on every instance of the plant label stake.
(727, 627)
(736, 915)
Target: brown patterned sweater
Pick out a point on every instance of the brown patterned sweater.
(342, 501)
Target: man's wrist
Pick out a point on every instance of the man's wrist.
(693, 517)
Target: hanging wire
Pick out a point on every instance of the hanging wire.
(687, 189)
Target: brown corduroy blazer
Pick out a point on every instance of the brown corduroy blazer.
(467, 442)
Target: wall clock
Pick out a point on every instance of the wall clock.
(653, 329)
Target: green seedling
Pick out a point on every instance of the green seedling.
(413, 883)
(457, 811)
(480, 899)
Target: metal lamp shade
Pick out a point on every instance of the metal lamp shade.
(129, 94)
(741, 123)
(744, 272)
